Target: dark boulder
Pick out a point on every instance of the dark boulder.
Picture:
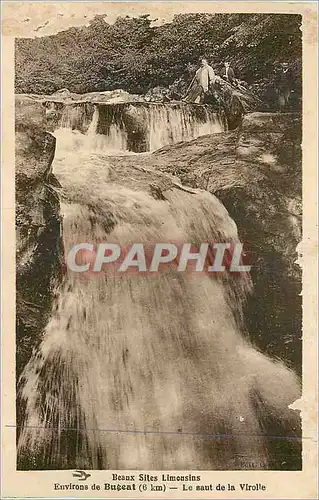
(38, 227)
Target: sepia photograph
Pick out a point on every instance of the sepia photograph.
(158, 227)
(184, 131)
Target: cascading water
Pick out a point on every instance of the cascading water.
(141, 127)
(139, 371)
(167, 124)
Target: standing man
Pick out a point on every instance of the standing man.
(284, 86)
(229, 73)
(204, 78)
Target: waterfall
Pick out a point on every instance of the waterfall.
(147, 372)
(114, 142)
(167, 124)
(138, 127)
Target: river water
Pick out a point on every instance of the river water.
(139, 371)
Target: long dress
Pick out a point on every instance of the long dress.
(204, 77)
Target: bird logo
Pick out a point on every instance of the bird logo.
(81, 475)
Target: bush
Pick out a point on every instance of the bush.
(134, 55)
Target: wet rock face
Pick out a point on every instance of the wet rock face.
(233, 102)
(38, 229)
(270, 222)
(256, 172)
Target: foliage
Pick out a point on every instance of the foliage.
(136, 56)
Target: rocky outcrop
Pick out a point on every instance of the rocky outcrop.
(38, 231)
(256, 172)
(232, 102)
(107, 96)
